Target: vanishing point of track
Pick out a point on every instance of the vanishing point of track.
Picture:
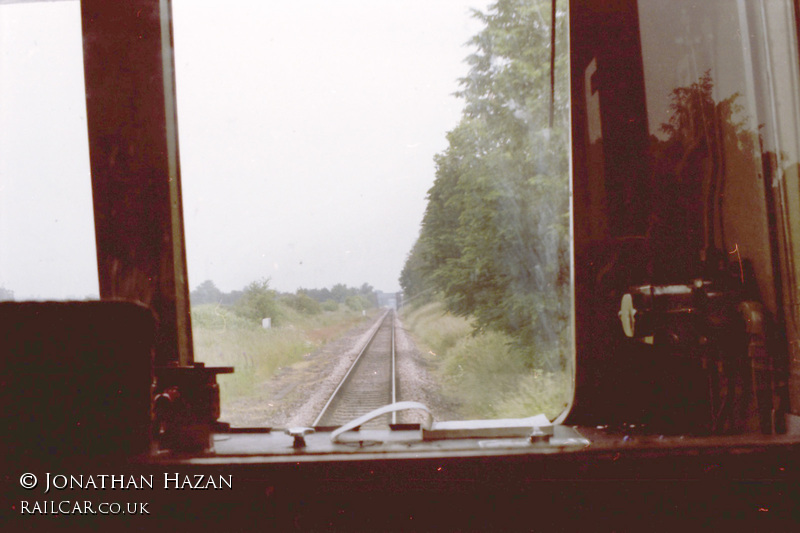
(369, 383)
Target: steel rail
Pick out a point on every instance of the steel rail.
(394, 375)
(350, 370)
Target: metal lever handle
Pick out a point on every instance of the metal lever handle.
(299, 433)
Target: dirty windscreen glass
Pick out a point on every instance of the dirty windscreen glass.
(340, 159)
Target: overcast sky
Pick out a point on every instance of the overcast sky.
(46, 225)
(307, 135)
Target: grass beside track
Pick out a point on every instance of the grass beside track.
(482, 374)
(222, 338)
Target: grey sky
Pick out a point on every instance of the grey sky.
(307, 134)
(46, 226)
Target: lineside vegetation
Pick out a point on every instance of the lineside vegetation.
(231, 334)
(493, 248)
(484, 375)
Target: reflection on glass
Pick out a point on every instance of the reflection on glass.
(698, 161)
(685, 203)
(702, 116)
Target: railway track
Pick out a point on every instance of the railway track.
(369, 383)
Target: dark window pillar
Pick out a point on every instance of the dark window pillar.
(133, 141)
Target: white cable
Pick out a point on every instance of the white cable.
(391, 408)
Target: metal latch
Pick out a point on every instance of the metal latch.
(299, 433)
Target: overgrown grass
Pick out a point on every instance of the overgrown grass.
(223, 338)
(483, 374)
(439, 331)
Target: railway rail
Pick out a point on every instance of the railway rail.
(371, 381)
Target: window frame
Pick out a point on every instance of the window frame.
(132, 45)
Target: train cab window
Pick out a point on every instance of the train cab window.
(422, 285)
(316, 140)
(585, 217)
(47, 247)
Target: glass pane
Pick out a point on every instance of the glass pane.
(686, 195)
(317, 138)
(703, 123)
(46, 223)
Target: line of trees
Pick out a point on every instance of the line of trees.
(257, 300)
(365, 296)
(494, 242)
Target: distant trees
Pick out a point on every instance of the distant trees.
(6, 294)
(340, 293)
(494, 237)
(416, 277)
(303, 303)
(206, 293)
(358, 302)
(258, 301)
(320, 295)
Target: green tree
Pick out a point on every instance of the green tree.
(358, 302)
(206, 293)
(330, 305)
(494, 237)
(415, 277)
(257, 302)
(367, 291)
(340, 292)
(303, 303)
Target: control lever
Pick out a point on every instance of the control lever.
(299, 433)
